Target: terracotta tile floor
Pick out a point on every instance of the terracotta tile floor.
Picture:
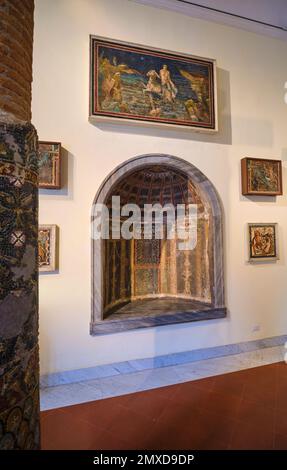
(240, 410)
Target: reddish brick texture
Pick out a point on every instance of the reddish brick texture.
(16, 47)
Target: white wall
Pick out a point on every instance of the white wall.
(265, 11)
(252, 73)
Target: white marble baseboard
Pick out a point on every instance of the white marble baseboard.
(129, 367)
(130, 382)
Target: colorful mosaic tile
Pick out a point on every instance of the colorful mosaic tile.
(19, 359)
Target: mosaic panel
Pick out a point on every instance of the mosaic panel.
(146, 282)
(19, 369)
(147, 251)
(153, 266)
(117, 269)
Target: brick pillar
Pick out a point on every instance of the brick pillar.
(19, 362)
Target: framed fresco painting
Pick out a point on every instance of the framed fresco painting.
(49, 165)
(261, 177)
(134, 84)
(263, 242)
(48, 248)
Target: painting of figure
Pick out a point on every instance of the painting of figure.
(49, 165)
(151, 86)
(263, 242)
(47, 248)
(261, 177)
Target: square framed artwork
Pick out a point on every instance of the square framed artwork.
(261, 177)
(49, 165)
(48, 248)
(130, 83)
(263, 242)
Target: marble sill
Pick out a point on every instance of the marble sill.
(107, 326)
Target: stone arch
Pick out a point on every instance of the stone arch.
(215, 308)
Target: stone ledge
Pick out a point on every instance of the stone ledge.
(133, 366)
(107, 326)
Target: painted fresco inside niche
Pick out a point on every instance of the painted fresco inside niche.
(146, 276)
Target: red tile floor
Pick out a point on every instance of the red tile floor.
(240, 410)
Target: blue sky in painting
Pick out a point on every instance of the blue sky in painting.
(143, 62)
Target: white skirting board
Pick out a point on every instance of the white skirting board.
(95, 383)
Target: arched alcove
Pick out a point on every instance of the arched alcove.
(148, 282)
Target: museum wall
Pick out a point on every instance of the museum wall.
(252, 70)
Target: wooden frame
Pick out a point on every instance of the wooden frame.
(138, 85)
(261, 177)
(263, 242)
(49, 173)
(48, 248)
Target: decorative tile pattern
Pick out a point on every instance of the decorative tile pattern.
(146, 282)
(19, 371)
(147, 252)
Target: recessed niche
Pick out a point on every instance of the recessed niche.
(143, 282)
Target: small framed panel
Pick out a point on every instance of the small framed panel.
(48, 236)
(261, 177)
(263, 242)
(49, 165)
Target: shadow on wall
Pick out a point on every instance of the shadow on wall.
(252, 132)
(223, 136)
(67, 178)
(282, 200)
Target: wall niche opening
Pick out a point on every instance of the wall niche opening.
(143, 282)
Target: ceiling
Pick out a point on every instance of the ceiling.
(255, 13)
